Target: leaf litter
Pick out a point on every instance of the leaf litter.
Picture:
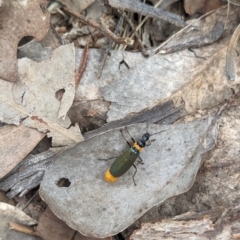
(15, 144)
(34, 96)
(137, 99)
(33, 22)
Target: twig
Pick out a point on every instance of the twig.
(143, 21)
(30, 200)
(146, 10)
(22, 228)
(109, 47)
(100, 28)
(82, 65)
(144, 51)
(233, 3)
(147, 17)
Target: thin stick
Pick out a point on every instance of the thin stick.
(100, 28)
(234, 3)
(82, 65)
(144, 51)
(30, 200)
(144, 20)
(22, 228)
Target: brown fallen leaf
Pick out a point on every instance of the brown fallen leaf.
(19, 19)
(33, 97)
(78, 6)
(201, 6)
(50, 227)
(5, 199)
(15, 144)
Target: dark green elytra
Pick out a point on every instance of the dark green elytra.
(124, 162)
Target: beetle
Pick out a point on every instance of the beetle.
(125, 161)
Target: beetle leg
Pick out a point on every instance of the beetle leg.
(106, 159)
(126, 139)
(140, 160)
(150, 142)
(134, 174)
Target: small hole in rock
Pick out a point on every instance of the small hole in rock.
(59, 94)
(63, 182)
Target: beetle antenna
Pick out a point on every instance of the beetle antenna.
(126, 139)
(159, 132)
(133, 140)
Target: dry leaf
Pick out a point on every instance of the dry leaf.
(77, 6)
(15, 144)
(5, 199)
(34, 96)
(19, 19)
(201, 6)
(40, 82)
(50, 227)
(10, 111)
